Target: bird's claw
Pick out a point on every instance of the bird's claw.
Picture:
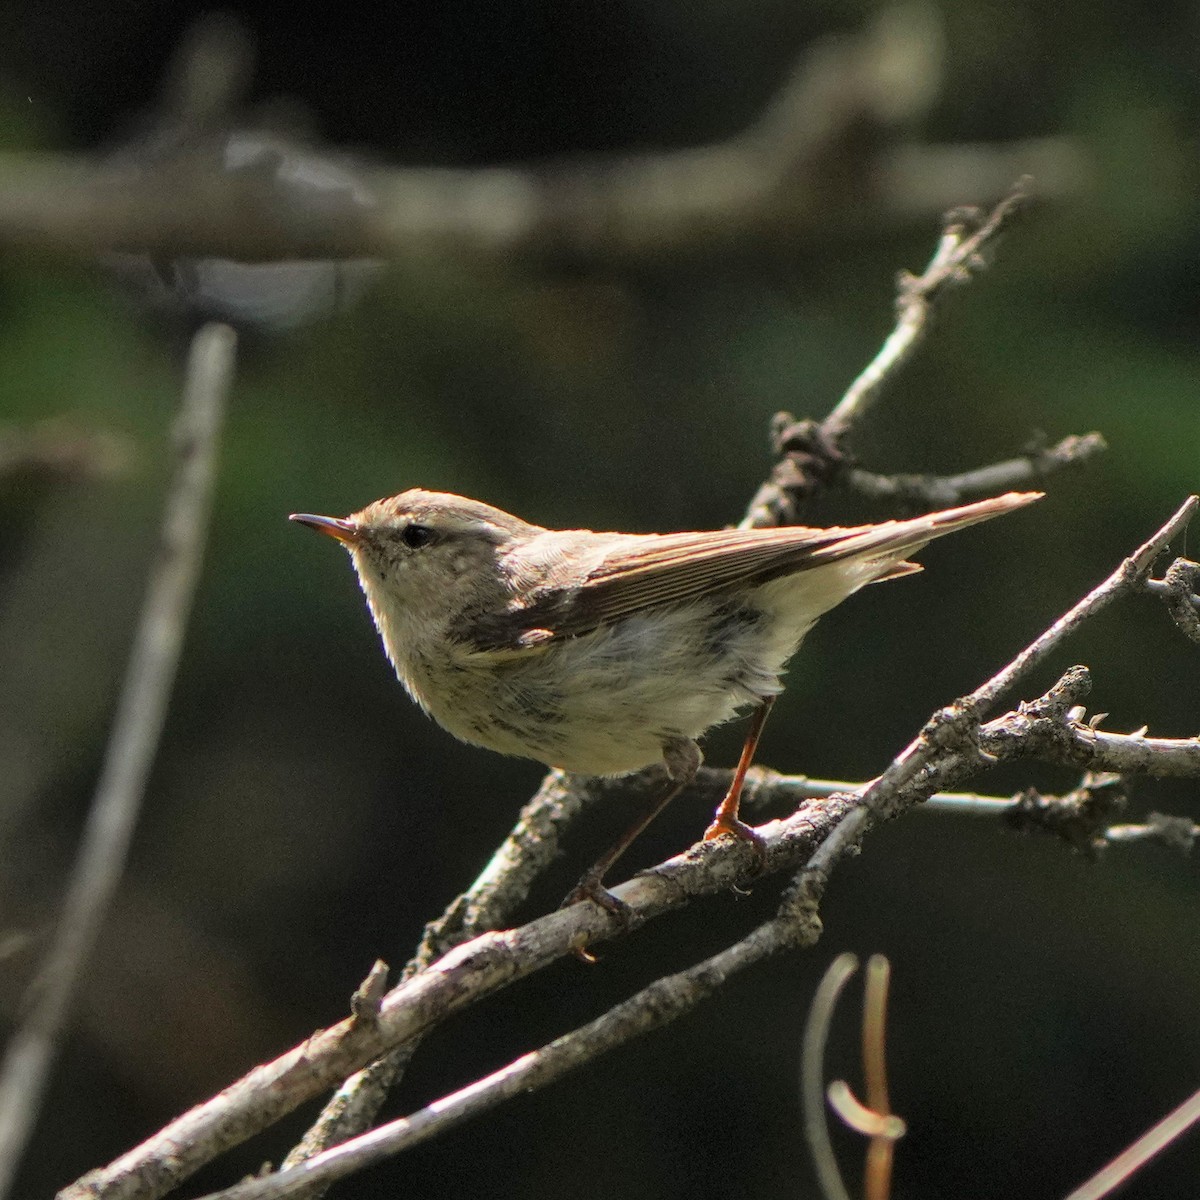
(590, 888)
(743, 832)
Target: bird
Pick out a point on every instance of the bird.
(604, 653)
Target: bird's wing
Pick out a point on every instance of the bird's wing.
(649, 571)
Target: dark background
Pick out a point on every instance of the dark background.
(304, 818)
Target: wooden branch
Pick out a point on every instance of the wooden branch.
(1130, 575)
(661, 1002)
(944, 491)
(967, 236)
(467, 974)
(503, 884)
(814, 455)
(132, 745)
(822, 155)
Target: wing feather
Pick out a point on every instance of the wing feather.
(652, 570)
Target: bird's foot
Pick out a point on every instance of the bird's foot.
(591, 888)
(743, 832)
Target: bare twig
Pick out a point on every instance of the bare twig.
(957, 727)
(968, 235)
(1070, 816)
(1129, 575)
(1154, 1140)
(812, 1075)
(884, 1134)
(663, 1001)
(1033, 731)
(487, 904)
(813, 455)
(131, 747)
(938, 491)
(1179, 833)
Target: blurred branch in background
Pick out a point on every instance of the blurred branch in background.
(55, 450)
(829, 152)
(141, 713)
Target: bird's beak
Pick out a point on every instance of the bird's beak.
(336, 527)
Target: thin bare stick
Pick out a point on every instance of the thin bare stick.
(487, 904)
(1155, 1139)
(1129, 575)
(137, 725)
(812, 455)
(959, 255)
(812, 1075)
(881, 1148)
(957, 725)
(943, 491)
(661, 1002)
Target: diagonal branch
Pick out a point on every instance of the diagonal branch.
(132, 745)
(666, 999)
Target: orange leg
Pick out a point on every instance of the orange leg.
(726, 819)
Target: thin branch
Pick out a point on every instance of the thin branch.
(954, 733)
(658, 1004)
(488, 904)
(878, 1172)
(1127, 577)
(960, 253)
(813, 455)
(812, 1075)
(1173, 1126)
(137, 725)
(943, 491)
(1028, 809)
(1057, 737)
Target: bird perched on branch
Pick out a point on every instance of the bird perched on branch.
(602, 653)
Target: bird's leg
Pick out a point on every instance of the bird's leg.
(726, 819)
(683, 758)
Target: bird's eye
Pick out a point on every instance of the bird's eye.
(415, 536)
